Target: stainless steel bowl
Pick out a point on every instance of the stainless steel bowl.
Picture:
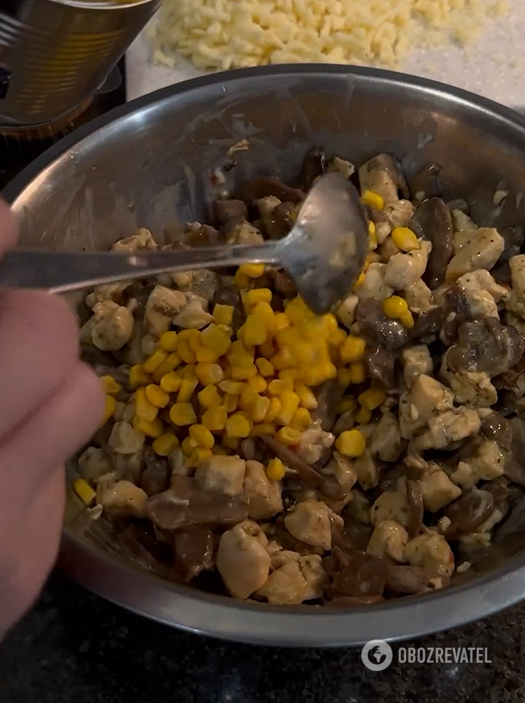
(149, 164)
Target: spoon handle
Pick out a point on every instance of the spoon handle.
(58, 272)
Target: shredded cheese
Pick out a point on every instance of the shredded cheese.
(223, 34)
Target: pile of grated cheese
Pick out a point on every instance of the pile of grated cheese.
(223, 34)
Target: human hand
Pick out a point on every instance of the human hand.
(50, 404)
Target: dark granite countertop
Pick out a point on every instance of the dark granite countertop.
(76, 647)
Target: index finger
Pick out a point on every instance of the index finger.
(8, 228)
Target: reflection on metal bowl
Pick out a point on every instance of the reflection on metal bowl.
(150, 164)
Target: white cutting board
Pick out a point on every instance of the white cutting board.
(493, 67)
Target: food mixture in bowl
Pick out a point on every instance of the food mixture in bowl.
(254, 449)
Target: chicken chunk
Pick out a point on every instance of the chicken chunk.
(313, 443)
(437, 490)
(244, 233)
(474, 389)
(403, 270)
(416, 362)
(481, 280)
(374, 285)
(462, 223)
(142, 240)
(419, 297)
(125, 439)
(341, 467)
(390, 505)
(162, 306)
(486, 464)
(107, 291)
(263, 495)
(93, 463)
(345, 313)
(427, 397)
(122, 497)
(367, 470)
(399, 213)
(432, 552)
(481, 250)
(310, 523)
(110, 328)
(389, 538)
(243, 562)
(386, 442)
(222, 474)
(345, 168)
(296, 582)
(517, 273)
(447, 428)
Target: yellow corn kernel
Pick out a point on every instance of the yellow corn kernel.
(209, 374)
(372, 398)
(188, 445)
(281, 321)
(405, 239)
(279, 386)
(223, 314)
(232, 387)
(344, 376)
(187, 388)
(265, 367)
(182, 414)
(209, 397)
(84, 491)
(215, 418)
(231, 442)
(165, 444)
(290, 374)
(373, 200)
(202, 436)
(301, 419)
(351, 443)
(227, 329)
(275, 470)
(363, 416)
(348, 404)
(238, 426)
(168, 341)
(110, 386)
(252, 270)
(395, 306)
(259, 408)
(264, 310)
(151, 429)
(247, 398)
(217, 450)
(171, 382)
(288, 436)
(264, 428)
(284, 359)
(216, 339)
(336, 338)
(258, 384)
(155, 360)
(353, 349)
(257, 295)
(143, 407)
(188, 371)
(359, 282)
(372, 237)
(238, 350)
(205, 355)
(231, 402)
(138, 377)
(241, 280)
(273, 410)
(317, 374)
(407, 320)
(171, 363)
(194, 340)
(267, 350)
(306, 396)
(244, 373)
(357, 373)
(185, 352)
(198, 455)
(297, 311)
(254, 331)
(371, 228)
(289, 404)
(110, 406)
(157, 396)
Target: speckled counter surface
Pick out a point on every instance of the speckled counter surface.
(76, 648)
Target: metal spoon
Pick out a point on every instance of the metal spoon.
(324, 254)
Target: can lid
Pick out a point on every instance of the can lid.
(104, 4)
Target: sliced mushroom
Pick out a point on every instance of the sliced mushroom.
(313, 165)
(515, 465)
(380, 367)
(426, 183)
(193, 553)
(468, 512)
(203, 236)
(382, 175)
(413, 579)
(356, 574)
(416, 508)
(456, 311)
(186, 507)
(432, 221)
(264, 186)
(428, 325)
(224, 210)
(494, 426)
(377, 328)
(514, 238)
(328, 396)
